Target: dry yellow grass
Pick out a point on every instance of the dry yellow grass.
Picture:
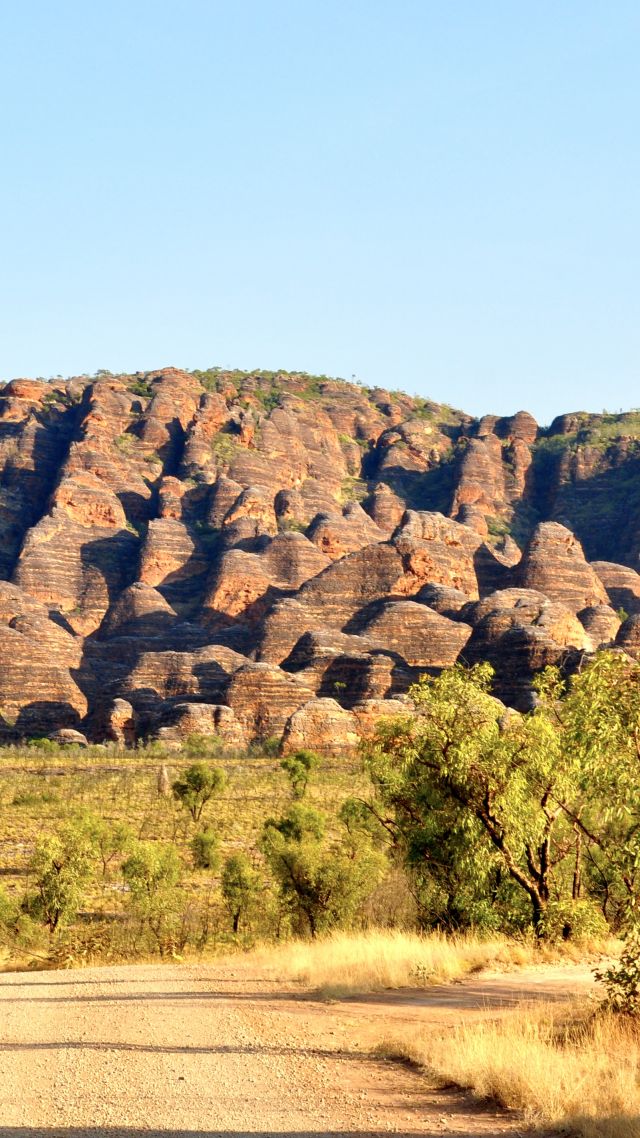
(565, 1067)
(351, 963)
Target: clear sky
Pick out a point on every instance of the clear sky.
(436, 195)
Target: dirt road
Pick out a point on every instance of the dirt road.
(212, 1050)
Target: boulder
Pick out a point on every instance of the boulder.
(622, 585)
(140, 610)
(335, 534)
(120, 724)
(436, 551)
(262, 698)
(628, 637)
(320, 725)
(370, 713)
(67, 737)
(601, 624)
(241, 580)
(179, 720)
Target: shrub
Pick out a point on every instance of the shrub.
(322, 884)
(299, 766)
(9, 915)
(152, 873)
(196, 786)
(204, 849)
(241, 888)
(198, 746)
(573, 920)
(61, 864)
(622, 980)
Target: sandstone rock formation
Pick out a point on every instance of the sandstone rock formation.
(272, 555)
(554, 563)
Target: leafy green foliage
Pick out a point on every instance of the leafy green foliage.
(205, 849)
(106, 840)
(152, 873)
(622, 980)
(61, 867)
(141, 387)
(197, 746)
(241, 889)
(196, 786)
(493, 809)
(9, 915)
(299, 766)
(321, 882)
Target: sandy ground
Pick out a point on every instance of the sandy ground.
(208, 1050)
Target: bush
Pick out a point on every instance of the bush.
(202, 746)
(573, 920)
(196, 786)
(299, 767)
(152, 873)
(322, 884)
(61, 864)
(204, 849)
(241, 888)
(622, 980)
(9, 915)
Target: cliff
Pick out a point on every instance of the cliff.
(263, 555)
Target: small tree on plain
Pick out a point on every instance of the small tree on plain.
(152, 873)
(204, 849)
(321, 882)
(241, 888)
(196, 786)
(299, 766)
(61, 865)
(106, 839)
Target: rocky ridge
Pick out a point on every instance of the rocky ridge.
(280, 556)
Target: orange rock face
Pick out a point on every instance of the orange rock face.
(281, 555)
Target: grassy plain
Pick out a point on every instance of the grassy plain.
(42, 790)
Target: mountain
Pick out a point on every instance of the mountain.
(280, 555)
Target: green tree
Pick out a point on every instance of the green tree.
(299, 766)
(152, 873)
(241, 888)
(62, 867)
(598, 718)
(196, 786)
(205, 849)
(107, 840)
(490, 807)
(321, 882)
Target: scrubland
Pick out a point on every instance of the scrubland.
(463, 841)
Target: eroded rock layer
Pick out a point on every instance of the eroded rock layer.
(280, 556)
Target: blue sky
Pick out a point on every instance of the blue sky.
(440, 196)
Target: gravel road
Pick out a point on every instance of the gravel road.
(197, 1051)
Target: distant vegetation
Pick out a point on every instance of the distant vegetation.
(464, 817)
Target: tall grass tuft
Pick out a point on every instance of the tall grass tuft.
(345, 964)
(566, 1066)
